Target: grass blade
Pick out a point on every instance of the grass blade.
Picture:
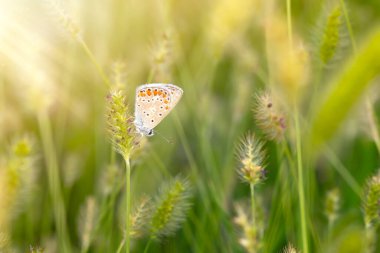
(347, 89)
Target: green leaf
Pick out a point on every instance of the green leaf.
(347, 89)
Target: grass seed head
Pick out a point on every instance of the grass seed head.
(331, 35)
(332, 204)
(172, 204)
(289, 63)
(63, 18)
(270, 120)
(139, 217)
(251, 157)
(228, 19)
(72, 168)
(371, 202)
(110, 180)
(119, 75)
(87, 218)
(121, 128)
(250, 233)
(162, 56)
(35, 249)
(17, 174)
(289, 249)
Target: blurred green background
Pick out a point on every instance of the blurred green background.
(222, 54)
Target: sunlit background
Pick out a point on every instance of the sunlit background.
(62, 185)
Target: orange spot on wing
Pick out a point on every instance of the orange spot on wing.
(149, 92)
(166, 101)
(167, 107)
(155, 92)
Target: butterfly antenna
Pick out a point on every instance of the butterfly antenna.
(163, 137)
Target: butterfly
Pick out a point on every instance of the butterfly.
(153, 103)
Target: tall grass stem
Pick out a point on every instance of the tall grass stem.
(148, 245)
(54, 181)
(349, 27)
(128, 203)
(342, 170)
(253, 203)
(95, 62)
(301, 190)
(289, 21)
(120, 246)
(373, 123)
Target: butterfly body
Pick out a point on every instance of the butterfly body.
(153, 104)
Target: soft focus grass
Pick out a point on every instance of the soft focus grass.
(221, 55)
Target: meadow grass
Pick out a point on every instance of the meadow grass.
(274, 146)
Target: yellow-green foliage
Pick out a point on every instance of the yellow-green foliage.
(223, 54)
(331, 36)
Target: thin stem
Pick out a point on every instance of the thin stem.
(348, 23)
(342, 170)
(151, 74)
(301, 190)
(252, 203)
(120, 246)
(329, 230)
(94, 61)
(289, 20)
(288, 155)
(84, 249)
(148, 245)
(128, 203)
(54, 181)
(113, 157)
(373, 124)
(3, 100)
(291, 163)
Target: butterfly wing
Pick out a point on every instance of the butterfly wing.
(153, 104)
(175, 93)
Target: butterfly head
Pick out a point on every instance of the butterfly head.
(149, 132)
